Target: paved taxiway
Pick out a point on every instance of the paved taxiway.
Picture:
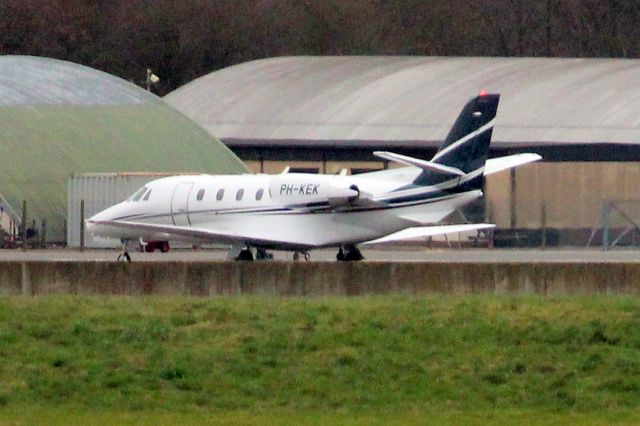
(431, 255)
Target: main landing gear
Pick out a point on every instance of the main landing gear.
(245, 254)
(349, 253)
(305, 254)
(251, 254)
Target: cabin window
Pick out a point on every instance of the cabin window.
(146, 196)
(220, 194)
(259, 194)
(239, 194)
(138, 194)
(200, 195)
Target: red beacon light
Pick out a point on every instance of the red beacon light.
(483, 93)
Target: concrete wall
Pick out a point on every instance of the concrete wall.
(315, 278)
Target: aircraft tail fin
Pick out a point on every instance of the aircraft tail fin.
(463, 155)
(467, 144)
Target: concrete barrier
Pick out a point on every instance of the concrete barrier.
(316, 278)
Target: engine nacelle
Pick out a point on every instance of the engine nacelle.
(292, 189)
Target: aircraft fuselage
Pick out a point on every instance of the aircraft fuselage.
(293, 211)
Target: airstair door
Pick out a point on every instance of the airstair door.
(180, 204)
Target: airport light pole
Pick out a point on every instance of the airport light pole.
(151, 79)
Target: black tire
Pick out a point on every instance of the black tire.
(353, 255)
(124, 256)
(245, 255)
(262, 254)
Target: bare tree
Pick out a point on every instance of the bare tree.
(183, 39)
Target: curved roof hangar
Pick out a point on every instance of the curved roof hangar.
(355, 100)
(58, 118)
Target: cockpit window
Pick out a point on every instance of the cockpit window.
(146, 196)
(138, 194)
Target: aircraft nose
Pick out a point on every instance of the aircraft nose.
(94, 225)
(89, 226)
(107, 214)
(96, 217)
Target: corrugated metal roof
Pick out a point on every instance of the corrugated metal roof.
(544, 100)
(73, 119)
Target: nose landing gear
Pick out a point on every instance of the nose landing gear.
(124, 253)
(124, 256)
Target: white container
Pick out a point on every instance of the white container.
(99, 191)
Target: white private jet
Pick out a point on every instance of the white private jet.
(300, 212)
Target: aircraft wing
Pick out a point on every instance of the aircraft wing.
(182, 233)
(494, 165)
(421, 232)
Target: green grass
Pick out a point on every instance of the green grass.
(466, 359)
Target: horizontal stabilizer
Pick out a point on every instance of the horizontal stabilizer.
(422, 232)
(494, 165)
(425, 165)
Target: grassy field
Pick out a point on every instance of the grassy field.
(377, 360)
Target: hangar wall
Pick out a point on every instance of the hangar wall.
(572, 194)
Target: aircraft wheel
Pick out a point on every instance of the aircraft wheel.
(124, 257)
(307, 256)
(340, 256)
(262, 254)
(164, 246)
(296, 256)
(245, 254)
(353, 254)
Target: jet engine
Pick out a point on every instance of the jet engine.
(303, 189)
